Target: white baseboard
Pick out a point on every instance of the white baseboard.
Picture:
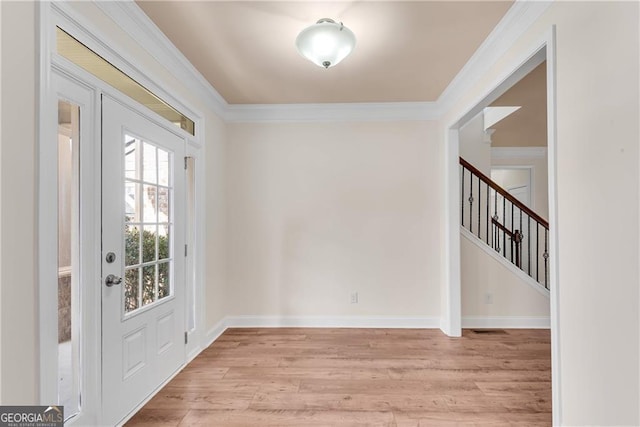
(506, 322)
(332, 322)
(213, 334)
(318, 322)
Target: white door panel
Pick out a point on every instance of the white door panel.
(143, 227)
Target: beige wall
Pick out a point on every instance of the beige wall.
(598, 131)
(597, 181)
(18, 301)
(317, 211)
(511, 296)
(215, 244)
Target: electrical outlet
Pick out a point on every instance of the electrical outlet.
(354, 298)
(488, 298)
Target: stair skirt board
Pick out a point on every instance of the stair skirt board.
(506, 322)
(506, 263)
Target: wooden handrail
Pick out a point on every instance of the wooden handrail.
(502, 228)
(504, 193)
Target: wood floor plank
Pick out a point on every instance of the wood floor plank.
(153, 417)
(352, 402)
(288, 418)
(372, 377)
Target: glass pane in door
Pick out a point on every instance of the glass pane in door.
(148, 194)
(68, 258)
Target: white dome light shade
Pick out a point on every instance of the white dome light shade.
(326, 42)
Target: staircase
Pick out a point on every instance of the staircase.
(505, 224)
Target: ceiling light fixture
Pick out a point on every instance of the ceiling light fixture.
(326, 42)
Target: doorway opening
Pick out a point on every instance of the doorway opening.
(542, 51)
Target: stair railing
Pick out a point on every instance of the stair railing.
(504, 223)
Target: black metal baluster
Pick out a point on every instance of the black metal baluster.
(471, 202)
(479, 205)
(521, 236)
(488, 203)
(537, 252)
(546, 257)
(462, 197)
(528, 245)
(504, 235)
(511, 230)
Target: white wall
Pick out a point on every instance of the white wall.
(1, 119)
(317, 211)
(510, 295)
(18, 261)
(472, 147)
(598, 49)
(597, 183)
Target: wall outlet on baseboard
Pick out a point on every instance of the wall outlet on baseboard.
(488, 297)
(354, 298)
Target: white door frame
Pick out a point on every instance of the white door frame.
(541, 49)
(532, 189)
(50, 15)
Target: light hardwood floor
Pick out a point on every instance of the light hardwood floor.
(372, 377)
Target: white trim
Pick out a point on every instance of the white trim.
(382, 111)
(63, 15)
(539, 49)
(215, 332)
(554, 276)
(515, 22)
(151, 396)
(506, 322)
(493, 115)
(114, 53)
(518, 152)
(524, 277)
(451, 296)
(133, 21)
(47, 219)
(332, 322)
(248, 321)
(138, 25)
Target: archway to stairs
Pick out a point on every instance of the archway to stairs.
(504, 266)
(459, 302)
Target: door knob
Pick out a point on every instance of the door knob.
(112, 280)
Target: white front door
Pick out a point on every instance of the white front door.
(143, 292)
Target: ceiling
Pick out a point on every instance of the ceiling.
(405, 52)
(526, 127)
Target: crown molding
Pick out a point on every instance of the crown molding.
(518, 152)
(513, 24)
(132, 20)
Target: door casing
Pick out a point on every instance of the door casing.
(50, 15)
